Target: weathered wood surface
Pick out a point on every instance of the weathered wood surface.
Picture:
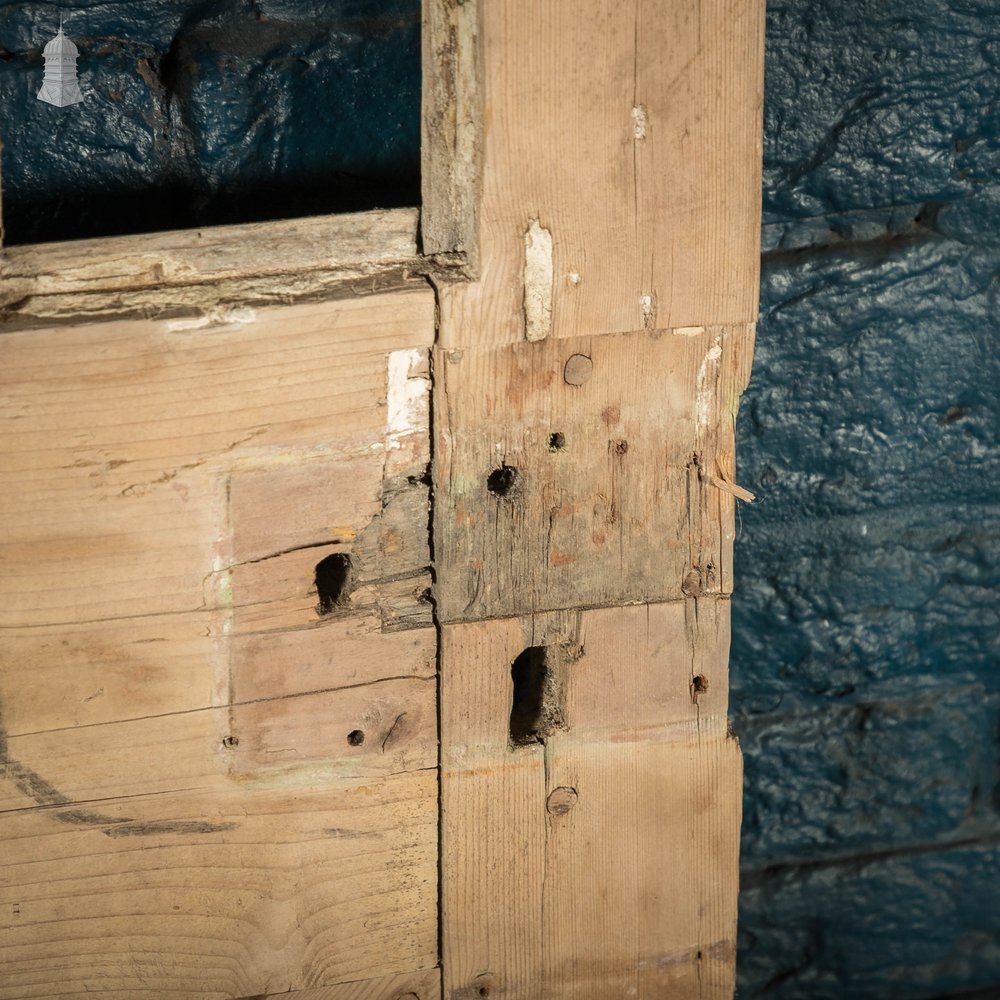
(207, 787)
(627, 134)
(220, 893)
(601, 862)
(216, 273)
(609, 491)
(452, 131)
(586, 389)
(410, 986)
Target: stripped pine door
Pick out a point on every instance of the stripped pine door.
(365, 611)
(216, 786)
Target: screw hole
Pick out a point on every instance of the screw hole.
(333, 576)
(500, 482)
(230, 741)
(355, 737)
(557, 441)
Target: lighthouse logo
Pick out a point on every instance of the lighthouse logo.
(60, 86)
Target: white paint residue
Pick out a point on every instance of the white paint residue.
(537, 282)
(640, 121)
(181, 325)
(688, 331)
(647, 303)
(574, 278)
(708, 374)
(240, 315)
(405, 399)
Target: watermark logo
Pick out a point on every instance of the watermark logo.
(60, 86)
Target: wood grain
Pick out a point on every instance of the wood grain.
(630, 132)
(452, 127)
(124, 440)
(602, 863)
(210, 785)
(424, 985)
(210, 273)
(221, 894)
(611, 499)
(586, 388)
(216, 782)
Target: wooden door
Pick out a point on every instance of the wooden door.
(364, 625)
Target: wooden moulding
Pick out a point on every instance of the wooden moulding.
(208, 271)
(452, 128)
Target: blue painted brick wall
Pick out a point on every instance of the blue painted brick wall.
(202, 113)
(866, 648)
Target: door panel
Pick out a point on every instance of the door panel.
(219, 756)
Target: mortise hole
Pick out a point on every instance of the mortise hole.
(557, 441)
(500, 482)
(536, 704)
(355, 737)
(528, 671)
(699, 684)
(333, 575)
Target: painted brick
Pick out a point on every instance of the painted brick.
(869, 777)
(905, 927)
(875, 103)
(200, 114)
(865, 669)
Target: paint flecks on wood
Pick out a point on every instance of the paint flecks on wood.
(538, 281)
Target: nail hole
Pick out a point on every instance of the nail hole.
(619, 447)
(484, 991)
(699, 684)
(500, 482)
(333, 575)
(355, 737)
(557, 441)
(230, 741)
